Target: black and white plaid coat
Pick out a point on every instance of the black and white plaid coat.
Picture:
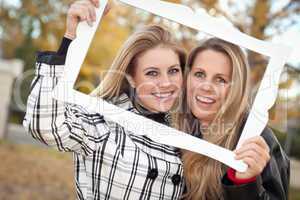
(110, 162)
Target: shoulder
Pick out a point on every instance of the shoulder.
(276, 150)
(270, 138)
(122, 101)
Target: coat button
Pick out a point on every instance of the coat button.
(176, 179)
(152, 173)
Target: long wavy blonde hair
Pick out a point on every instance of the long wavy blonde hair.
(202, 174)
(115, 82)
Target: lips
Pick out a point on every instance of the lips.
(205, 100)
(163, 95)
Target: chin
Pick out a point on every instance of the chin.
(204, 115)
(164, 108)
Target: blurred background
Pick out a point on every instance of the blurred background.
(28, 170)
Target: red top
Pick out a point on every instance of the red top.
(231, 176)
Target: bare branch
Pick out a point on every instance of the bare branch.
(286, 10)
(280, 29)
(236, 23)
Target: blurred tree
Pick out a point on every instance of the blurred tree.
(261, 19)
(107, 41)
(31, 25)
(25, 27)
(35, 25)
(39, 24)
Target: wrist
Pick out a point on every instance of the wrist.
(238, 180)
(70, 36)
(64, 46)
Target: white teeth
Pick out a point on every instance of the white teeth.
(163, 95)
(205, 99)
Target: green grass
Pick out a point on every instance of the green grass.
(294, 194)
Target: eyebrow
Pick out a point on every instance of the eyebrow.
(197, 68)
(222, 75)
(176, 65)
(218, 74)
(148, 68)
(156, 68)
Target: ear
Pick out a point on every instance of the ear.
(130, 81)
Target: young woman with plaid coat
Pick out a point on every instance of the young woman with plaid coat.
(111, 162)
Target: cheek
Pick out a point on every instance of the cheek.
(177, 85)
(142, 83)
(193, 85)
(146, 87)
(178, 80)
(224, 92)
(190, 90)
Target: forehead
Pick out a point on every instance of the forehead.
(213, 61)
(159, 57)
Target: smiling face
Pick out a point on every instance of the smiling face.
(208, 84)
(157, 79)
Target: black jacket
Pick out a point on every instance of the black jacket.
(272, 184)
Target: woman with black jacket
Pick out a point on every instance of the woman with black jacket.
(215, 108)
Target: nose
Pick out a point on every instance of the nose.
(164, 81)
(206, 86)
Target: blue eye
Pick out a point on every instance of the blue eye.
(199, 74)
(221, 80)
(174, 70)
(152, 73)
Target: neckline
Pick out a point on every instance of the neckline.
(156, 116)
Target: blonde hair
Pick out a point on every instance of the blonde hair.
(115, 82)
(203, 175)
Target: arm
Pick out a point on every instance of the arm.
(271, 184)
(64, 126)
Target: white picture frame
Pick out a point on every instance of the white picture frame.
(257, 119)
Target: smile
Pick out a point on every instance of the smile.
(205, 100)
(163, 95)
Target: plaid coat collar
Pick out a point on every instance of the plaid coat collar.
(144, 143)
(123, 101)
